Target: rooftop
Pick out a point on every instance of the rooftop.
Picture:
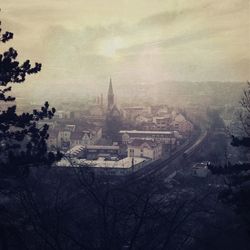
(138, 143)
(78, 148)
(147, 132)
(100, 163)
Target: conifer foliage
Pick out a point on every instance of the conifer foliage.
(237, 175)
(22, 142)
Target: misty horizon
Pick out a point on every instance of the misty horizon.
(81, 45)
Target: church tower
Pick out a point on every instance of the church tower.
(113, 121)
(110, 95)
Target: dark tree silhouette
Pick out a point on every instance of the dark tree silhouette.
(113, 126)
(22, 142)
(237, 175)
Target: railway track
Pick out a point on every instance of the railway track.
(159, 166)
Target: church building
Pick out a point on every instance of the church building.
(113, 116)
(112, 109)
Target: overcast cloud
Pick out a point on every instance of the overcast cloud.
(82, 43)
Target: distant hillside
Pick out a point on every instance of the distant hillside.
(184, 93)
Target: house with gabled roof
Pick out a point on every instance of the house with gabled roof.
(145, 149)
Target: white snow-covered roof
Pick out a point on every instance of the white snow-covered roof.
(75, 150)
(147, 132)
(101, 163)
(78, 148)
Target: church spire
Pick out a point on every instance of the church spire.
(110, 95)
(110, 91)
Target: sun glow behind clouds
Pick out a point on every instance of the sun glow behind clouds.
(110, 46)
(86, 42)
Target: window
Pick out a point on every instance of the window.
(131, 152)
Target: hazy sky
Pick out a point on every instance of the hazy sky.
(82, 42)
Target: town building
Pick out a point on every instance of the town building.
(102, 166)
(93, 152)
(182, 125)
(67, 136)
(145, 149)
(200, 170)
(164, 137)
(162, 122)
(131, 113)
